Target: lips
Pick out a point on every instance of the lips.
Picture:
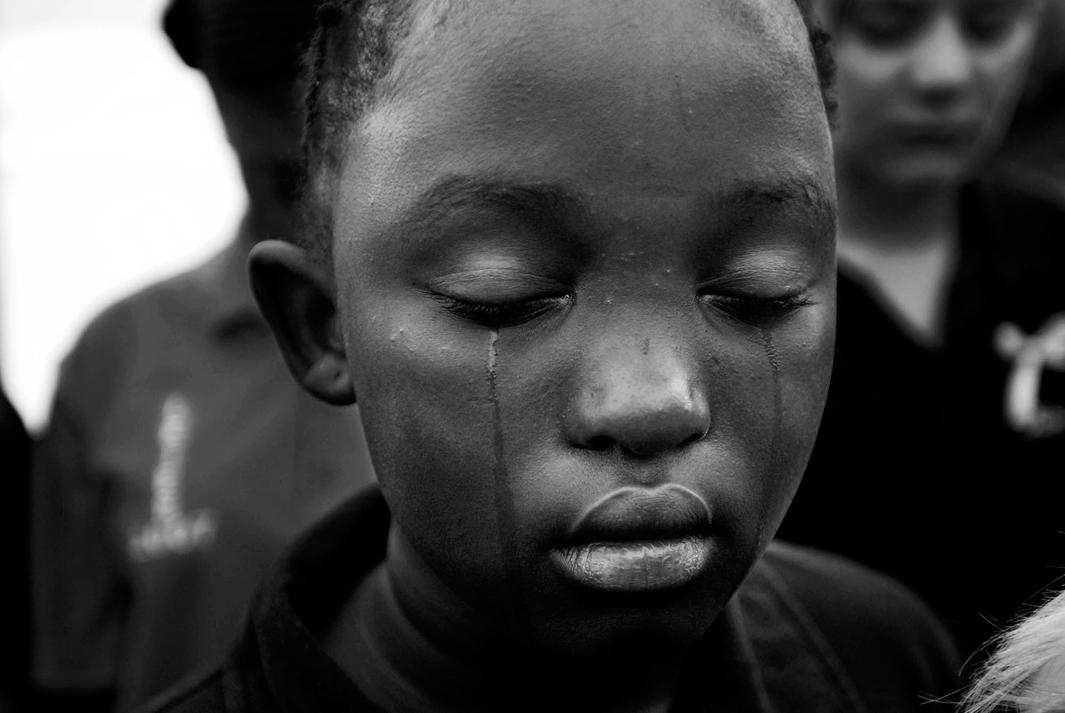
(636, 540)
(940, 134)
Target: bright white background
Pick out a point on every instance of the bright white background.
(114, 172)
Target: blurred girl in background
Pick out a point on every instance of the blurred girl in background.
(940, 453)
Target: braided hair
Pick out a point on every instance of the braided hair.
(354, 49)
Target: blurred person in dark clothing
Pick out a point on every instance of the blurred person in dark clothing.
(942, 449)
(1034, 151)
(180, 457)
(15, 455)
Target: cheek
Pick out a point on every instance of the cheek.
(766, 410)
(424, 389)
(1003, 72)
(804, 353)
(866, 81)
(804, 386)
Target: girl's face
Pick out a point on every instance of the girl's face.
(585, 279)
(926, 88)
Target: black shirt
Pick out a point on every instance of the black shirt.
(805, 632)
(917, 471)
(14, 530)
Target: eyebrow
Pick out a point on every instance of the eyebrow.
(752, 197)
(542, 200)
(533, 200)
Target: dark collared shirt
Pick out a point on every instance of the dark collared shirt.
(180, 458)
(806, 633)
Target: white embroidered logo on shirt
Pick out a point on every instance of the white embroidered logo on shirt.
(171, 530)
(1031, 355)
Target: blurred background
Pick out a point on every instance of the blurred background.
(114, 172)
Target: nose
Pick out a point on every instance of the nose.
(943, 63)
(640, 399)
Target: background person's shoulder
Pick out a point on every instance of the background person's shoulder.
(886, 641)
(159, 324)
(150, 311)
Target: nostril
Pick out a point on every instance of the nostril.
(693, 438)
(648, 447)
(640, 428)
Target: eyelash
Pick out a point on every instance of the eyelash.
(757, 310)
(506, 314)
(750, 310)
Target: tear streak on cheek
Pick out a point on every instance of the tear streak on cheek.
(778, 407)
(509, 555)
(774, 364)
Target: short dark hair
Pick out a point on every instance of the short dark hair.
(354, 48)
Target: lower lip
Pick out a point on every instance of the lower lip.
(945, 141)
(635, 566)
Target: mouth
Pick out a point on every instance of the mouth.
(638, 540)
(635, 566)
(944, 136)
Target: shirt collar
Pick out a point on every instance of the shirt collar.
(277, 665)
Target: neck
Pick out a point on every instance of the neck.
(890, 218)
(412, 645)
(906, 243)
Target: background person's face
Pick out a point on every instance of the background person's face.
(589, 246)
(926, 88)
(263, 125)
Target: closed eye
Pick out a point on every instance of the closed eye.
(756, 310)
(499, 315)
(890, 22)
(988, 22)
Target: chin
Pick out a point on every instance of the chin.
(929, 173)
(633, 630)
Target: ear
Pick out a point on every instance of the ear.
(296, 298)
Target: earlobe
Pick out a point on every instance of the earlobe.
(296, 298)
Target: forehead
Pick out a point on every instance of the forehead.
(595, 92)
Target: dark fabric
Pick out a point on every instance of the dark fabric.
(14, 531)
(205, 696)
(916, 471)
(82, 701)
(165, 484)
(242, 43)
(805, 633)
